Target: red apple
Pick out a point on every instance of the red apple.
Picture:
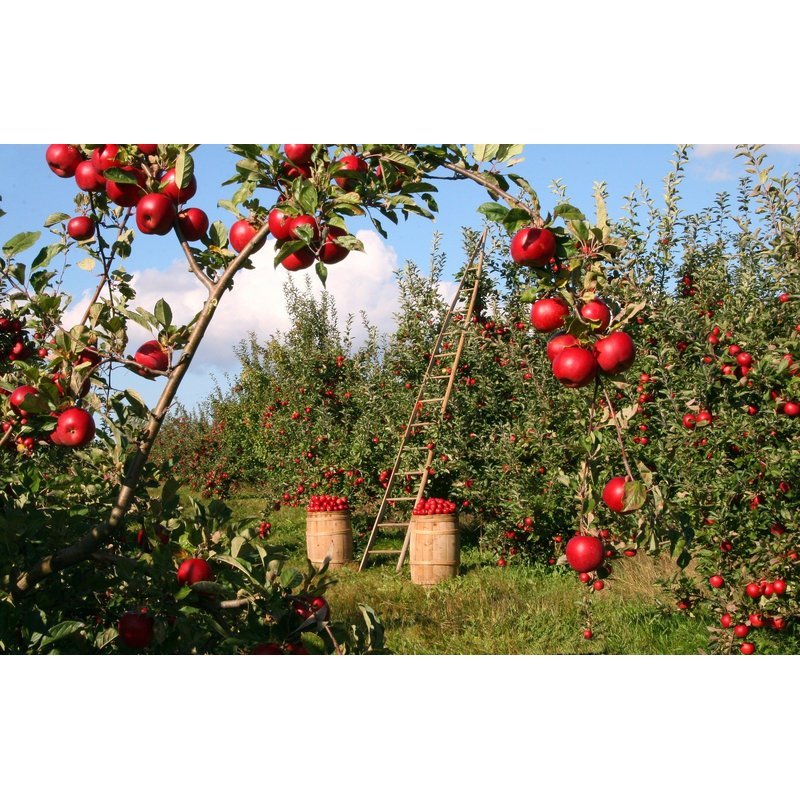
(299, 153)
(717, 581)
(136, 629)
(241, 233)
(355, 164)
(548, 314)
(88, 178)
(585, 553)
(279, 224)
(127, 194)
(148, 149)
(155, 213)
(558, 343)
(614, 494)
(533, 247)
(615, 353)
(791, 409)
(332, 253)
(303, 219)
(170, 188)
(105, 157)
(575, 367)
(193, 570)
(63, 159)
(80, 228)
(302, 259)
(193, 223)
(753, 590)
(153, 356)
(597, 311)
(17, 396)
(75, 427)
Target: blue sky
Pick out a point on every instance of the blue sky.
(30, 192)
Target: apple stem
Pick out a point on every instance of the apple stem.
(618, 428)
(97, 535)
(193, 265)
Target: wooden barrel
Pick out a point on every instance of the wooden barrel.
(435, 552)
(329, 533)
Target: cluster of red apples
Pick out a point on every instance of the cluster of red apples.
(140, 183)
(575, 363)
(327, 503)
(434, 505)
(75, 426)
(285, 227)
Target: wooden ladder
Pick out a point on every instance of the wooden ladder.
(459, 315)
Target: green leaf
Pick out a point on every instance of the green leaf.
(493, 211)
(105, 638)
(22, 241)
(184, 169)
(117, 175)
(163, 313)
(54, 219)
(47, 254)
(207, 587)
(634, 496)
(287, 248)
(237, 544)
(485, 152)
(400, 158)
(322, 272)
(566, 211)
(136, 402)
(40, 279)
(62, 629)
(35, 404)
(218, 234)
(86, 264)
(308, 197)
(242, 566)
(351, 243)
(291, 578)
(228, 206)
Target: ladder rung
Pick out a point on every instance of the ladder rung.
(385, 552)
(409, 497)
(420, 424)
(413, 472)
(444, 354)
(440, 377)
(432, 400)
(392, 524)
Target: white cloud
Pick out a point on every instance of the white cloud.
(256, 303)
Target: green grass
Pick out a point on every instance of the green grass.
(489, 610)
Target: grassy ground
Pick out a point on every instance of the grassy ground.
(517, 609)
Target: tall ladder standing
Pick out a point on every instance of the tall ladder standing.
(465, 298)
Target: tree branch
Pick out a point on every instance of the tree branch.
(84, 547)
(193, 265)
(496, 191)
